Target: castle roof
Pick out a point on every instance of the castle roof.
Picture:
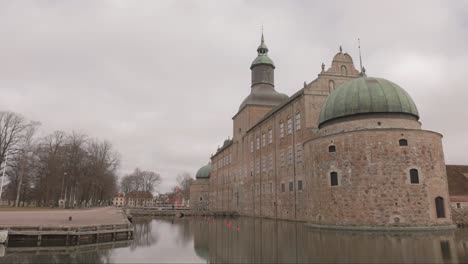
(367, 95)
(457, 178)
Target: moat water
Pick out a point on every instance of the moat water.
(248, 240)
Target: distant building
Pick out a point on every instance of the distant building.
(119, 200)
(344, 150)
(139, 199)
(458, 186)
(199, 191)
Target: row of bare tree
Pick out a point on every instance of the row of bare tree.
(43, 170)
(140, 180)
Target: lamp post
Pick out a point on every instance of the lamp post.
(3, 177)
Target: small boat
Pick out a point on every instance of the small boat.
(3, 236)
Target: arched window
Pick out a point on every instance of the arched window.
(334, 179)
(403, 142)
(414, 176)
(331, 86)
(331, 149)
(440, 208)
(344, 71)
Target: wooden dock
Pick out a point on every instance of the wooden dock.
(72, 227)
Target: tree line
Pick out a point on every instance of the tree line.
(43, 170)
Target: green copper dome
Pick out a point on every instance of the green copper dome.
(367, 95)
(204, 172)
(262, 59)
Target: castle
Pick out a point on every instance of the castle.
(345, 150)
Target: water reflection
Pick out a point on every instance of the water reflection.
(288, 242)
(247, 240)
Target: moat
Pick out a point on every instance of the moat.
(248, 240)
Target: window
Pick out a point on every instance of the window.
(270, 162)
(258, 142)
(263, 139)
(201, 198)
(257, 166)
(289, 126)
(271, 187)
(290, 155)
(263, 165)
(331, 86)
(251, 146)
(331, 149)
(458, 205)
(281, 130)
(403, 142)
(291, 186)
(282, 160)
(298, 121)
(283, 188)
(270, 136)
(299, 152)
(414, 176)
(251, 168)
(440, 208)
(334, 179)
(299, 185)
(344, 71)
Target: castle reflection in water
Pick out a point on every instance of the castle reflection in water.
(249, 240)
(263, 240)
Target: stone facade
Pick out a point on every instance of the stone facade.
(277, 164)
(199, 195)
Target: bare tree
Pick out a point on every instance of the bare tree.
(140, 180)
(184, 181)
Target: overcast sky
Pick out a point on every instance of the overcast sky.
(161, 80)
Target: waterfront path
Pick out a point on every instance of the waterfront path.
(57, 218)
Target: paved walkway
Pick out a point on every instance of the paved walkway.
(80, 217)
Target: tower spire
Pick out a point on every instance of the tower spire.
(360, 57)
(262, 49)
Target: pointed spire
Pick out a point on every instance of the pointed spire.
(262, 49)
(360, 57)
(341, 49)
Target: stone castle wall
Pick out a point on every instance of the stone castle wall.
(374, 178)
(272, 171)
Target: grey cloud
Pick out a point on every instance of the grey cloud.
(162, 79)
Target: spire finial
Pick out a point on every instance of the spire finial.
(323, 66)
(262, 49)
(341, 49)
(360, 57)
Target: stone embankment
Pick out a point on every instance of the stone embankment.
(179, 212)
(71, 227)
